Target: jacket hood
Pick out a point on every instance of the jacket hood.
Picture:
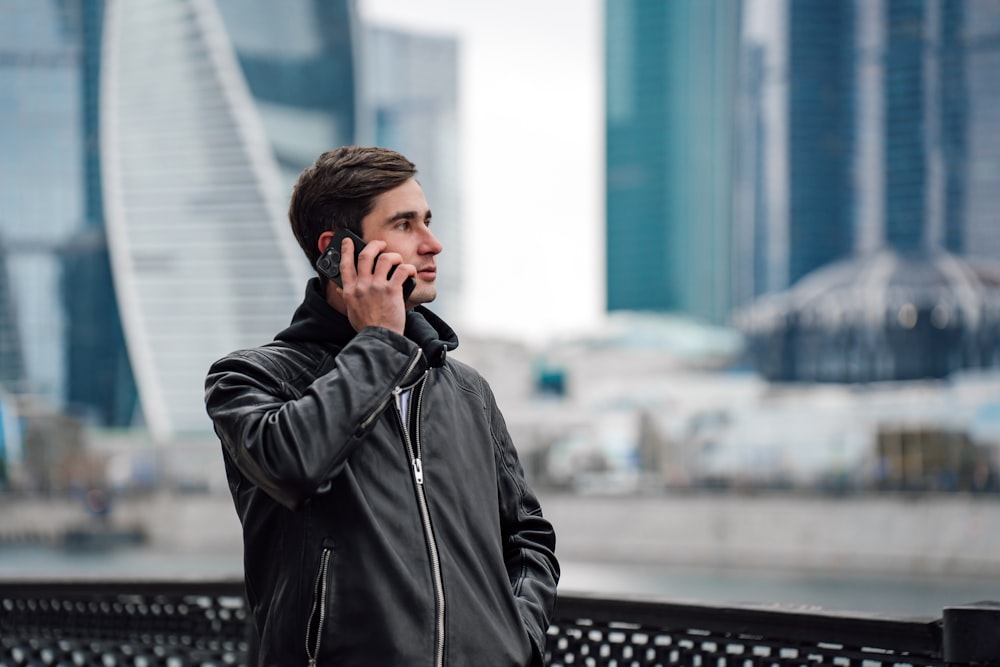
(316, 321)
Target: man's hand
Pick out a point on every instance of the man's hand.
(371, 297)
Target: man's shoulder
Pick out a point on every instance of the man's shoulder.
(466, 376)
(275, 349)
(279, 357)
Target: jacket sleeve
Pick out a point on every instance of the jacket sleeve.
(291, 442)
(529, 539)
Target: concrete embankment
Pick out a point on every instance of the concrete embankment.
(908, 536)
(170, 522)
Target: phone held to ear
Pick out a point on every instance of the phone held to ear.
(329, 262)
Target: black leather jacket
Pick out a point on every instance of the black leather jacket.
(367, 542)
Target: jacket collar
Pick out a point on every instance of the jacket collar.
(318, 322)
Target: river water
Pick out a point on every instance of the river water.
(897, 596)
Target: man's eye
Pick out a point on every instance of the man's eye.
(405, 224)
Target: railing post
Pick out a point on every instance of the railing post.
(971, 634)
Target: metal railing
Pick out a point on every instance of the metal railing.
(177, 624)
(622, 632)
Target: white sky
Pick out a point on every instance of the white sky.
(532, 134)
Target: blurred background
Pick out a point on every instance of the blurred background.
(731, 266)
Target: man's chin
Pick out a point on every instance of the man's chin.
(421, 296)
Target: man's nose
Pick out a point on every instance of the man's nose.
(430, 244)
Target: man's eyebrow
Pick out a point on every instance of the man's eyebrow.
(407, 215)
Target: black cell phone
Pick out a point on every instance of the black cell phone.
(328, 263)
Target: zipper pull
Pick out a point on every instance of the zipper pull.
(418, 471)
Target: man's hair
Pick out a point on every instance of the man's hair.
(339, 189)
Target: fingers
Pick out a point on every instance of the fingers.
(391, 266)
(375, 270)
(348, 272)
(372, 292)
(366, 264)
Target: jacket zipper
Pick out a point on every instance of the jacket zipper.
(322, 577)
(413, 450)
(385, 401)
(318, 612)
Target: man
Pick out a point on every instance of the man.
(386, 518)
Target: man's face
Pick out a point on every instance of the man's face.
(402, 219)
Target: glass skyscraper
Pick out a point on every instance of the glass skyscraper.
(750, 143)
(670, 86)
(981, 40)
(874, 127)
(59, 330)
(299, 60)
(871, 242)
(820, 133)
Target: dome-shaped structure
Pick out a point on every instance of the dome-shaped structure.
(886, 316)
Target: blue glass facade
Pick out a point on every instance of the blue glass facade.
(885, 136)
(671, 72)
(821, 133)
(954, 97)
(11, 359)
(60, 320)
(99, 383)
(981, 175)
(890, 176)
(905, 124)
(298, 59)
(637, 190)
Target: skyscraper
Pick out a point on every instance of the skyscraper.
(820, 133)
(981, 40)
(875, 126)
(203, 262)
(64, 346)
(671, 77)
(794, 174)
(11, 370)
(299, 60)
(752, 144)
(869, 149)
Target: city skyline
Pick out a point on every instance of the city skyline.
(534, 196)
(171, 244)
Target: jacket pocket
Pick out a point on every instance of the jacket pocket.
(320, 604)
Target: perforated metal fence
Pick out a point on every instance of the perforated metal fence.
(623, 633)
(112, 624)
(144, 624)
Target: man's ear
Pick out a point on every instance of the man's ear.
(323, 242)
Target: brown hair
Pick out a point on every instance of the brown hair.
(339, 189)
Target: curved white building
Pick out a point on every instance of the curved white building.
(202, 258)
